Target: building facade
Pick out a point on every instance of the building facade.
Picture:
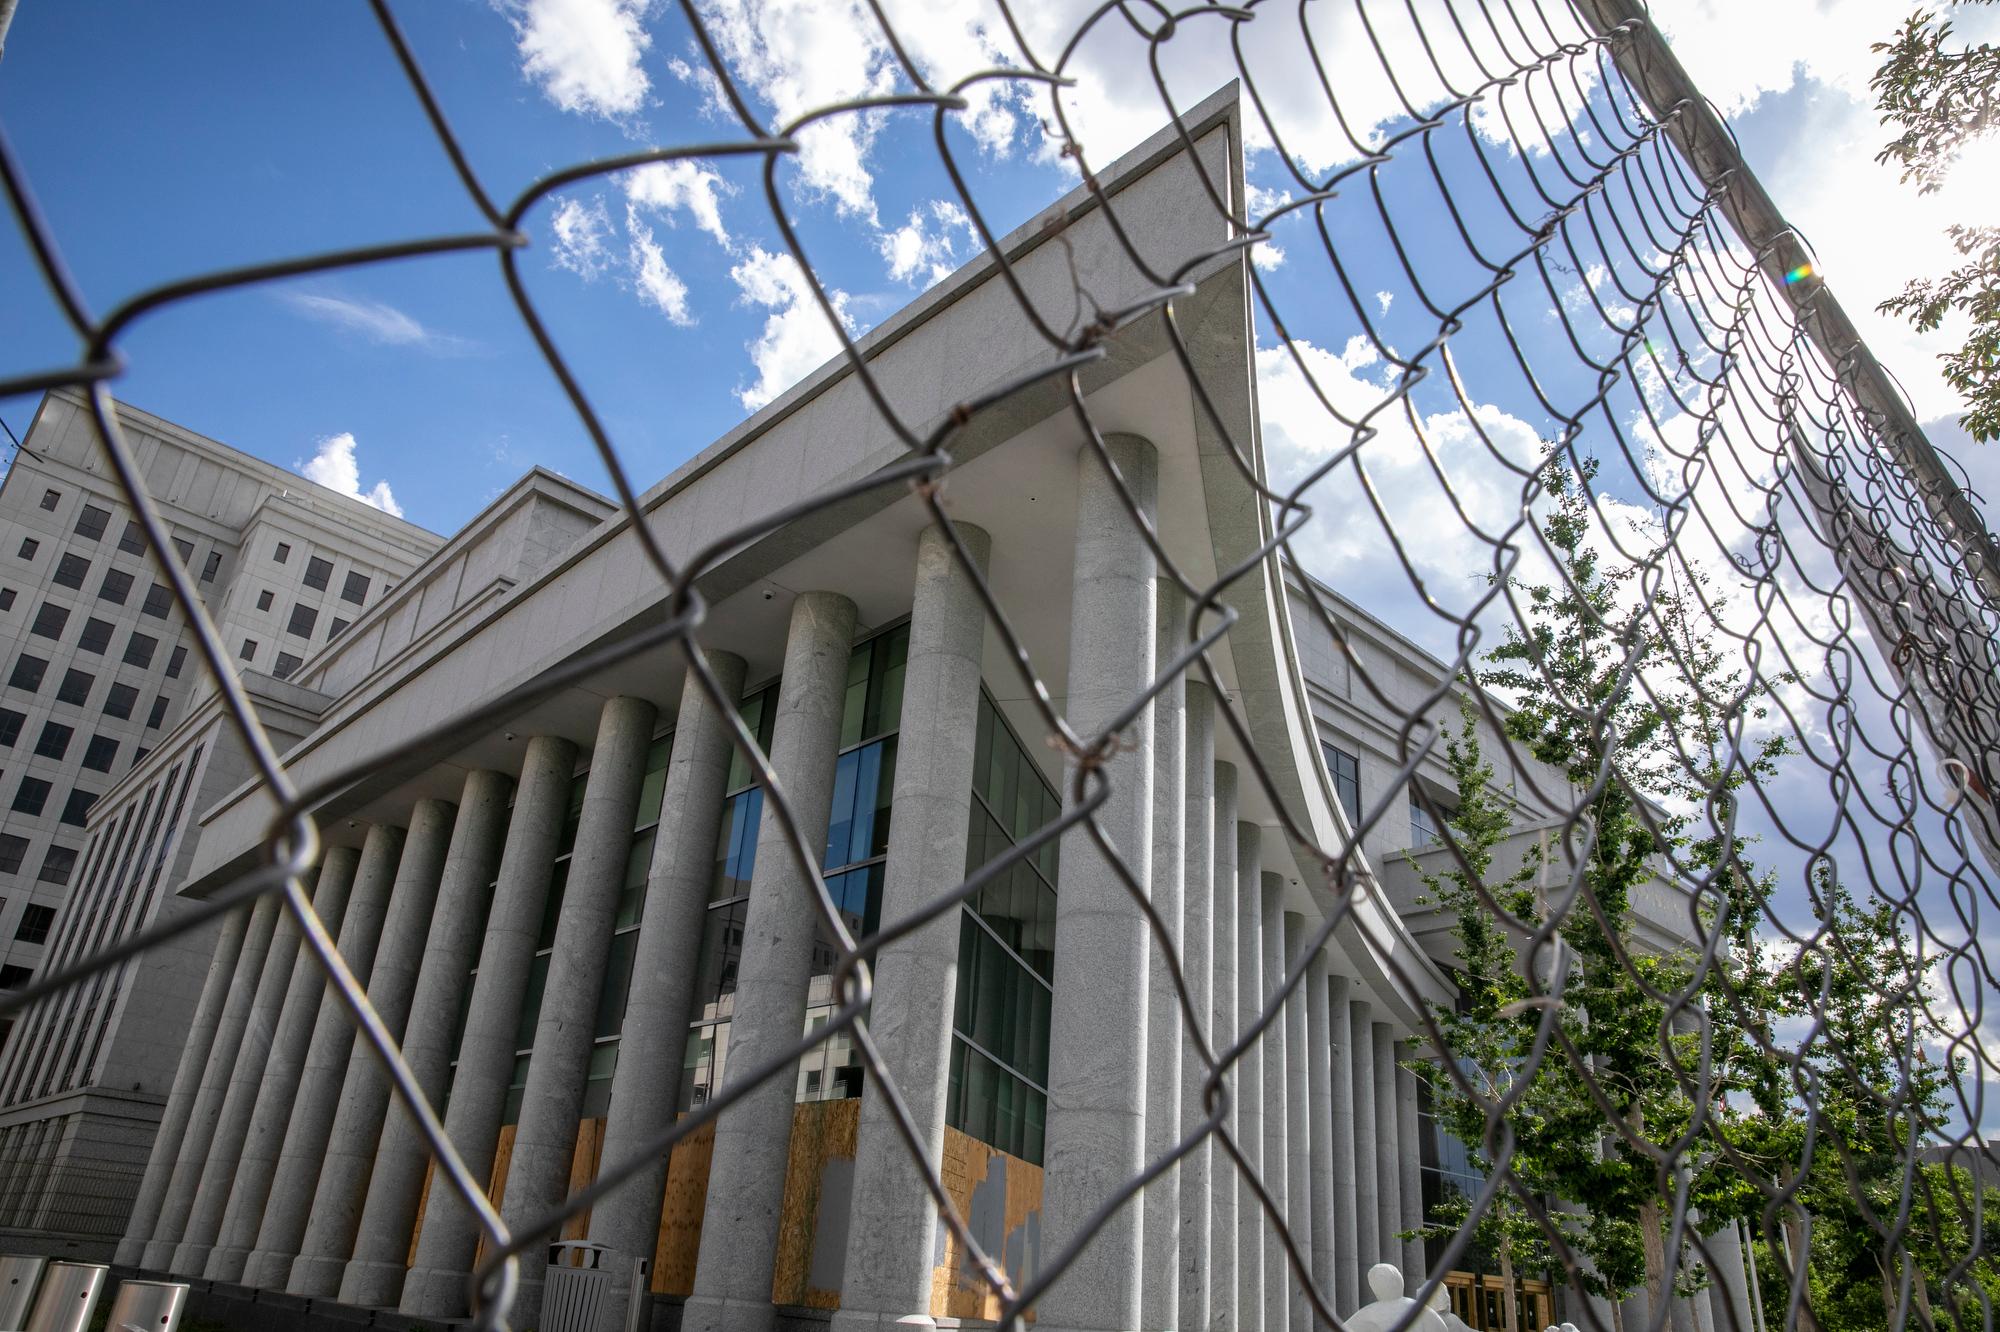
(582, 921)
(101, 671)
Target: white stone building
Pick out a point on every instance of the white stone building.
(578, 923)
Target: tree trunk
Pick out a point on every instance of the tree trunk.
(1653, 1240)
(1798, 1259)
(1510, 1314)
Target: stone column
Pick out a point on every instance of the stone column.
(1159, 1301)
(1340, 1146)
(566, 1025)
(1277, 1114)
(892, 1227)
(1321, 1180)
(1097, 1088)
(645, 1086)
(746, 1183)
(245, 1078)
(1197, 935)
(1223, 1242)
(1368, 1247)
(1299, 1114)
(374, 1276)
(215, 992)
(435, 1286)
(1409, 1151)
(1388, 1159)
(315, 1223)
(250, 1186)
(183, 1179)
(1251, 1223)
(1730, 1293)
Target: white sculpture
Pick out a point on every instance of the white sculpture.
(1392, 1307)
(1441, 1306)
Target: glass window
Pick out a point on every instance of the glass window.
(100, 753)
(159, 600)
(1423, 831)
(28, 673)
(654, 788)
(355, 588)
(49, 620)
(287, 663)
(133, 539)
(185, 549)
(13, 850)
(31, 795)
(283, 552)
(77, 808)
(116, 587)
(264, 600)
(71, 570)
(96, 636)
(55, 740)
(339, 627)
(303, 619)
(158, 713)
(1346, 779)
(319, 572)
(175, 660)
(13, 977)
(51, 498)
(57, 865)
(35, 922)
(28, 547)
(10, 726)
(91, 522)
(249, 652)
(139, 650)
(211, 566)
(119, 701)
(6, 598)
(75, 687)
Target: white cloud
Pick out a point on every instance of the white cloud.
(681, 186)
(796, 337)
(334, 466)
(377, 321)
(585, 55)
(927, 246)
(1267, 255)
(658, 285)
(1384, 299)
(582, 237)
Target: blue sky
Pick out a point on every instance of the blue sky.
(164, 140)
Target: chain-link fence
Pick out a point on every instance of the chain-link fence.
(1601, 431)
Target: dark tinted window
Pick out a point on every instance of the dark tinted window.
(355, 589)
(133, 539)
(71, 570)
(302, 621)
(28, 672)
(249, 652)
(186, 549)
(31, 795)
(92, 521)
(287, 663)
(50, 619)
(119, 701)
(319, 572)
(139, 650)
(35, 922)
(13, 850)
(159, 712)
(75, 687)
(159, 600)
(77, 808)
(55, 740)
(210, 565)
(57, 865)
(6, 598)
(283, 552)
(100, 752)
(339, 628)
(51, 498)
(96, 635)
(264, 600)
(175, 660)
(13, 977)
(28, 547)
(10, 726)
(116, 587)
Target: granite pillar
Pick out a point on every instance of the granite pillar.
(1347, 1267)
(1409, 1154)
(1159, 1299)
(1277, 1114)
(1298, 1129)
(1322, 1179)
(1223, 1243)
(1251, 1223)
(1197, 1207)
(1388, 1159)
(1368, 1246)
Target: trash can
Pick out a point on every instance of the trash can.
(147, 1306)
(577, 1288)
(19, 1273)
(68, 1297)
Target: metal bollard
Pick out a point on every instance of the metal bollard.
(69, 1295)
(147, 1306)
(19, 1273)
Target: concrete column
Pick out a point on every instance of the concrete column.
(566, 1025)
(215, 991)
(1197, 937)
(183, 1179)
(645, 1086)
(1299, 1115)
(1159, 1302)
(1097, 1089)
(1223, 1244)
(1388, 1158)
(1251, 1223)
(1340, 1146)
(892, 1231)
(1730, 1293)
(1409, 1151)
(245, 1077)
(436, 1284)
(746, 1183)
(1277, 1114)
(1321, 1177)
(258, 1161)
(316, 1222)
(374, 1277)
(1367, 1195)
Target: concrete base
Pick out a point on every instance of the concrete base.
(316, 1278)
(225, 1263)
(265, 1270)
(434, 1292)
(843, 1321)
(714, 1313)
(372, 1285)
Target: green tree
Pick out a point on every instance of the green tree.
(1941, 97)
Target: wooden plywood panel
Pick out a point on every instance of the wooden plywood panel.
(680, 1215)
(821, 1131)
(1000, 1196)
(423, 1201)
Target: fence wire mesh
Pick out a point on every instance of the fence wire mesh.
(1717, 606)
